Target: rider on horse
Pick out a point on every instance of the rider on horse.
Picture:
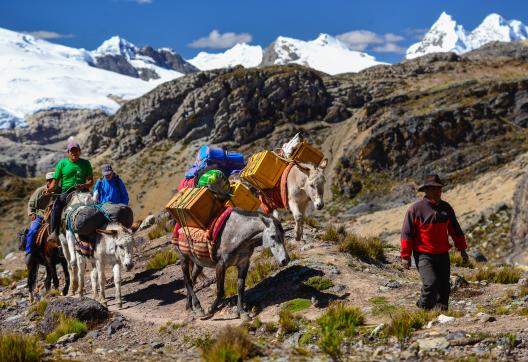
(73, 173)
(37, 205)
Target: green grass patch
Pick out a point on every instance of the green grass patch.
(161, 259)
(311, 221)
(39, 307)
(231, 345)
(160, 229)
(271, 327)
(339, 321)
(457, 260)
(503, 275)
(4, 304)
(289, 322)
(403, 322)
(20, 348)
(67, 325)
(296, 305)
(380, 306)
(368, 249)
(319, 283)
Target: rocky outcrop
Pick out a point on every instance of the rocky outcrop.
(236, 105)
(519, 222)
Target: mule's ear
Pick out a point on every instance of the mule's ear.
(304, 167)
(107, 232)
(265, 220)
(323, 163)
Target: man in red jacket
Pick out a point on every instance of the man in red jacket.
(425, 231)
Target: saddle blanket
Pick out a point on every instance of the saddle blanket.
(203, 242)
(277, 197)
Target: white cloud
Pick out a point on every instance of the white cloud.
(393, 38)
(217, 40)
(360, 39)
(141, 2)
(389, 48)
(43, 34)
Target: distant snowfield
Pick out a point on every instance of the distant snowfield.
(37, 75)
(241, 54)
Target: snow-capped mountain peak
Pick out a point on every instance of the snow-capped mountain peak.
(117, 46)
(325, 53)
(446, 36)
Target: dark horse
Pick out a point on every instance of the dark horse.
(48, 254)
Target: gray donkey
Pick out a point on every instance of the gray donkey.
(242, 232)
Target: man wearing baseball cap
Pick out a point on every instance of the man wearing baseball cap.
(37, 205)
(74, 174)
(425, 231)
(110, 187)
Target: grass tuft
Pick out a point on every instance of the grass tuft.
(319, 283)
(15, 277)
(257, 272)
(380, 306)
(330, 234)
(296, 305)
(404, 322)
(39, 307)
(22, 348)
(456, 260)
(67, 325)
(289, 322)
(339, 321)
(503, 275)
(311, 221)
(159, 230)
(368, 249)
(231, 345)
(170, 327)
(161, 259)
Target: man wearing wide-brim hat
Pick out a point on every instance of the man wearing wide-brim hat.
(425, 231)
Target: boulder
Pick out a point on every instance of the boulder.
(519, 222)
(83, 309)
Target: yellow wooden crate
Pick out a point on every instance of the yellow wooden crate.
(194, 207)
(305, 152)
(263, 170)
(242, 198)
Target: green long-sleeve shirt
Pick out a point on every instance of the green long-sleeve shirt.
(38, 202)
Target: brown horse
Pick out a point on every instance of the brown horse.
(48, 254)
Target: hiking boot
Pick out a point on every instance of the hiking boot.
(53, 237)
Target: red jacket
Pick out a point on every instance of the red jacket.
(426, 227)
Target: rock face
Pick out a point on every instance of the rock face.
(83, 309)
(36, 149)
(519, 225)
(235, 105)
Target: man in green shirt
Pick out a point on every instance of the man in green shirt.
(73, 173)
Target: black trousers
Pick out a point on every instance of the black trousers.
(56, 211)
(435, 272)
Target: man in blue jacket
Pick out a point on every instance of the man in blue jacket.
(110, 188)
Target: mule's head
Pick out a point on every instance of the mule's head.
(273, 238)
(315, 182)
(123, 241)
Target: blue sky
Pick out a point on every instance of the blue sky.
(387, 27)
